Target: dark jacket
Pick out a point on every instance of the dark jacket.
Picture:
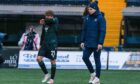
(94, 30)
(49, 33)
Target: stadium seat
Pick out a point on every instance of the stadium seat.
(113, 14)
(45, 2)
(69, 40)
(12, 39)
(133, 2)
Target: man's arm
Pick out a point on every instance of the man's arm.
(20, 43)
(102, 30)
(56, 24)
(42, 34)
(82, 45)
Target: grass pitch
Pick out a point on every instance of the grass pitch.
(34, 76)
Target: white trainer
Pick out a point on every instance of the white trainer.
(46, 78)
(92, 76)
(96, 81)
(51, 81)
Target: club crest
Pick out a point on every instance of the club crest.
(95, 19)
(87, 18)
(46, 29)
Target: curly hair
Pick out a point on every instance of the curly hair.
(49, 13)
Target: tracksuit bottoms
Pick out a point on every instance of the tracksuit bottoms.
(86, 54)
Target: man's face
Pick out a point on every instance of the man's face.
(91, 10)
(31, 28)
(49, 17)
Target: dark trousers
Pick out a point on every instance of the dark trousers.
(86, 54)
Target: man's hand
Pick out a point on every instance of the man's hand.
(42, 21)
(99, 47)
(82, 45)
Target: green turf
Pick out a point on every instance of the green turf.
(30, 76)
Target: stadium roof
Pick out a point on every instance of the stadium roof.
(40, 10)
(131, 11)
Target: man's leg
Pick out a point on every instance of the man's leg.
(53, 65)
(98, 66)
(53, 70)
(86, 54)
(41, 64)
(97, 62)
(43, 68)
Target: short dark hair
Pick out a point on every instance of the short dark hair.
(49, 13)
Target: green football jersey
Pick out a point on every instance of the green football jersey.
(49, 33)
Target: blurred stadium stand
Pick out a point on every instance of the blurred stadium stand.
(132, 27)
(113, 14)
(45, 2)
(133, 2)
(122, 30)
(40, 10)
(14, 18)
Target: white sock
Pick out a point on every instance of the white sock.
(93, 74)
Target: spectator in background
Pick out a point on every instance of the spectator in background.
(93, 35)
(30, 40)
(3, 37)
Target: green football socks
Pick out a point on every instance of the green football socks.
(43, 67)
(53, 70)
